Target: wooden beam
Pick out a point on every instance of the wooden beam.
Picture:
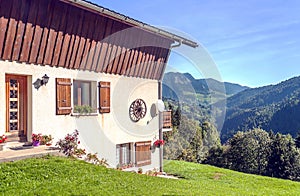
(46, 23)
(55, 22)
(12, 29)
(82, 42)
(104, 47)
(29, 30)
(64, 10)
(5, 10)
(66, 40)
(84, 60)
(101, 34)
(76, 38)
(91, 50)
(24, 10)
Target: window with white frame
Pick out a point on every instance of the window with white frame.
(123, 154)
(84, 96)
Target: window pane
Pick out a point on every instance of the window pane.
(85, 93)
(75, 93)
(94, 95)
(123, 154)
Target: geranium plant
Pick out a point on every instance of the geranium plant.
(159, 143)
(3, 138)
(47, 139)
(36, 137)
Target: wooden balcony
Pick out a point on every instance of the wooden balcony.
(167, 120)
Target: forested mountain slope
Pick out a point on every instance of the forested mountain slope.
(185, 87)
(273, 107)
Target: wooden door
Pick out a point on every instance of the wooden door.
(16, 104)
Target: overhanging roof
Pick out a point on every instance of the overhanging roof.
(127, 19)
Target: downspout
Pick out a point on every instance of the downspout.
(161, 155)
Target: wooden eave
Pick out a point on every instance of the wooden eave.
(60, 34)
(133, 22)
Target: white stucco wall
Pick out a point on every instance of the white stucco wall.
(98, 133)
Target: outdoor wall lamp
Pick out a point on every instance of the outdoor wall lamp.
(40, 82)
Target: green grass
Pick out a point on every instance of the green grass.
(62, 176)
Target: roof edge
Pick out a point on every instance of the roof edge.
(111, 13)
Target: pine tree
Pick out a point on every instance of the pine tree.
(176, 117)
(297, 140)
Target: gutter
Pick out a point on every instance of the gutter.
(160, 125)
(160, 120)
(99, 9)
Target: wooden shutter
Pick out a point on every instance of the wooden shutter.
(63, 96)
(142, 153)
(104, 97)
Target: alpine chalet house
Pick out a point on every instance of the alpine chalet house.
(70, 65)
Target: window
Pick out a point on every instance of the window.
(84, 96)
(143, 153)
(123, 154)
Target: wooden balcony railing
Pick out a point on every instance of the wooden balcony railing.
(167, 119)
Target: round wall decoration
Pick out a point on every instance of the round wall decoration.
(137, 110)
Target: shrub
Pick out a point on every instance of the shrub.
(93, 158)
(69, 145)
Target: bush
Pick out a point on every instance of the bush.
(69, 145)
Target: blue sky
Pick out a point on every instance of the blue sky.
(252, 42)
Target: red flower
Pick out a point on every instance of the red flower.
(36, 137)
(78, 142)
(158, 143)
(2, 138)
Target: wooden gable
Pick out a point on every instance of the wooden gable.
(57, 33)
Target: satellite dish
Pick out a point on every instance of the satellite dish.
(160, 105)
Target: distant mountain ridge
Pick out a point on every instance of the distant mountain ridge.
(273, 107)
(177, 85)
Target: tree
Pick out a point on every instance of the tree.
(297, 140)
(248, 151)
(284, 161)
(210, 135)
(216, 156)
(176, 117)
(185, 142)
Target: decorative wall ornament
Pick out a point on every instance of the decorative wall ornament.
(137, 110)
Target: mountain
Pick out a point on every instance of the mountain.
(273, 107)
(185, 87)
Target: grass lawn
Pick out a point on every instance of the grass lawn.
(63, 176)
